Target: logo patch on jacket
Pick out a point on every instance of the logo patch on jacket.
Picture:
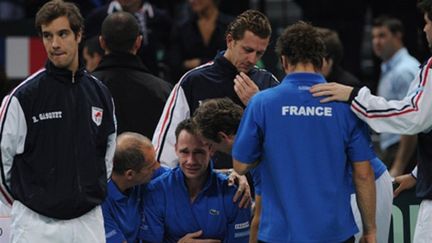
(213, 212)
(97, 114)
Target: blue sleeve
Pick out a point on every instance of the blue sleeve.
(359, 145)
(256, 177)
(238, 227)
(113, 234)
(248, 142)
(153, 219)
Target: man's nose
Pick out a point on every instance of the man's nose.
(55, 42)
(252, 58)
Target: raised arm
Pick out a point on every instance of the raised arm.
(410, 116)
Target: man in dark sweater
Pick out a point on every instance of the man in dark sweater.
(139, 97)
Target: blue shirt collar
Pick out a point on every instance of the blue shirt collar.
(207, 185)
(303, 77)
(114, 192)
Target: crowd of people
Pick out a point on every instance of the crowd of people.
(98, 147)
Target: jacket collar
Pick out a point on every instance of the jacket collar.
(64, 75)
(208, 183)
(114, 191)
(224, 64)
(301, 77)
(127, 60)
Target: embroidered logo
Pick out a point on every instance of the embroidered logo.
(242, 225)
(47, 116)
(97, 114)
(213, 212)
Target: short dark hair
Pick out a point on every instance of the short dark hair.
(393, 24)
(217, 115)
(185, 125)
(58, 8)
(252, 20)
(129, 152)
(333, 45)
(426, 7)
(301, 43)
(93, 46)
(120, 30)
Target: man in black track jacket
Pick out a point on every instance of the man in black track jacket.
(232, 74)
(139, 97)
(57, 131)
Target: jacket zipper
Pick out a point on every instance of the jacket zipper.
(75, 152)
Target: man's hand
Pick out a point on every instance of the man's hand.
(244, 87)
(192, 238)
(368, 238)
(243, 189)
(405, 182)
(333, 91)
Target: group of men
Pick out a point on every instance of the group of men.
(308, 157)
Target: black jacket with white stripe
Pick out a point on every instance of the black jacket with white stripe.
(57, 142)
(211, 80)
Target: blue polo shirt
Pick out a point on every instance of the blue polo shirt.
(169, 215)
(303, 147)
(378, 167)
(122, 213)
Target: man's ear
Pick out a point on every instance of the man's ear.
(103, 44)
(79, 36)
(223, 136)
(229, 41)
(137, 44)
(212, 150)
(129, 174)
(284, 62)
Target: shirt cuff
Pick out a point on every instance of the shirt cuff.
(353, 94)
(414, 173)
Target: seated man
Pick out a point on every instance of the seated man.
(134, 165)
(217, 121)
(192, 201)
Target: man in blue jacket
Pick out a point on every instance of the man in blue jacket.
(134, 165)
(192, 201)
(303, 148)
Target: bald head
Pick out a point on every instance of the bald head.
(133, 151)
(120, 31)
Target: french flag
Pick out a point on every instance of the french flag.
(21, 55)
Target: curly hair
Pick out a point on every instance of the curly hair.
(252, 20)
(301, 43)
(217, 115)
(58, 8)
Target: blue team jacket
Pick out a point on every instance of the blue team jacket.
(169, 214)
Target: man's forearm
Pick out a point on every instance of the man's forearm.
(242, 168)
(407, 146)
(366, 197)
